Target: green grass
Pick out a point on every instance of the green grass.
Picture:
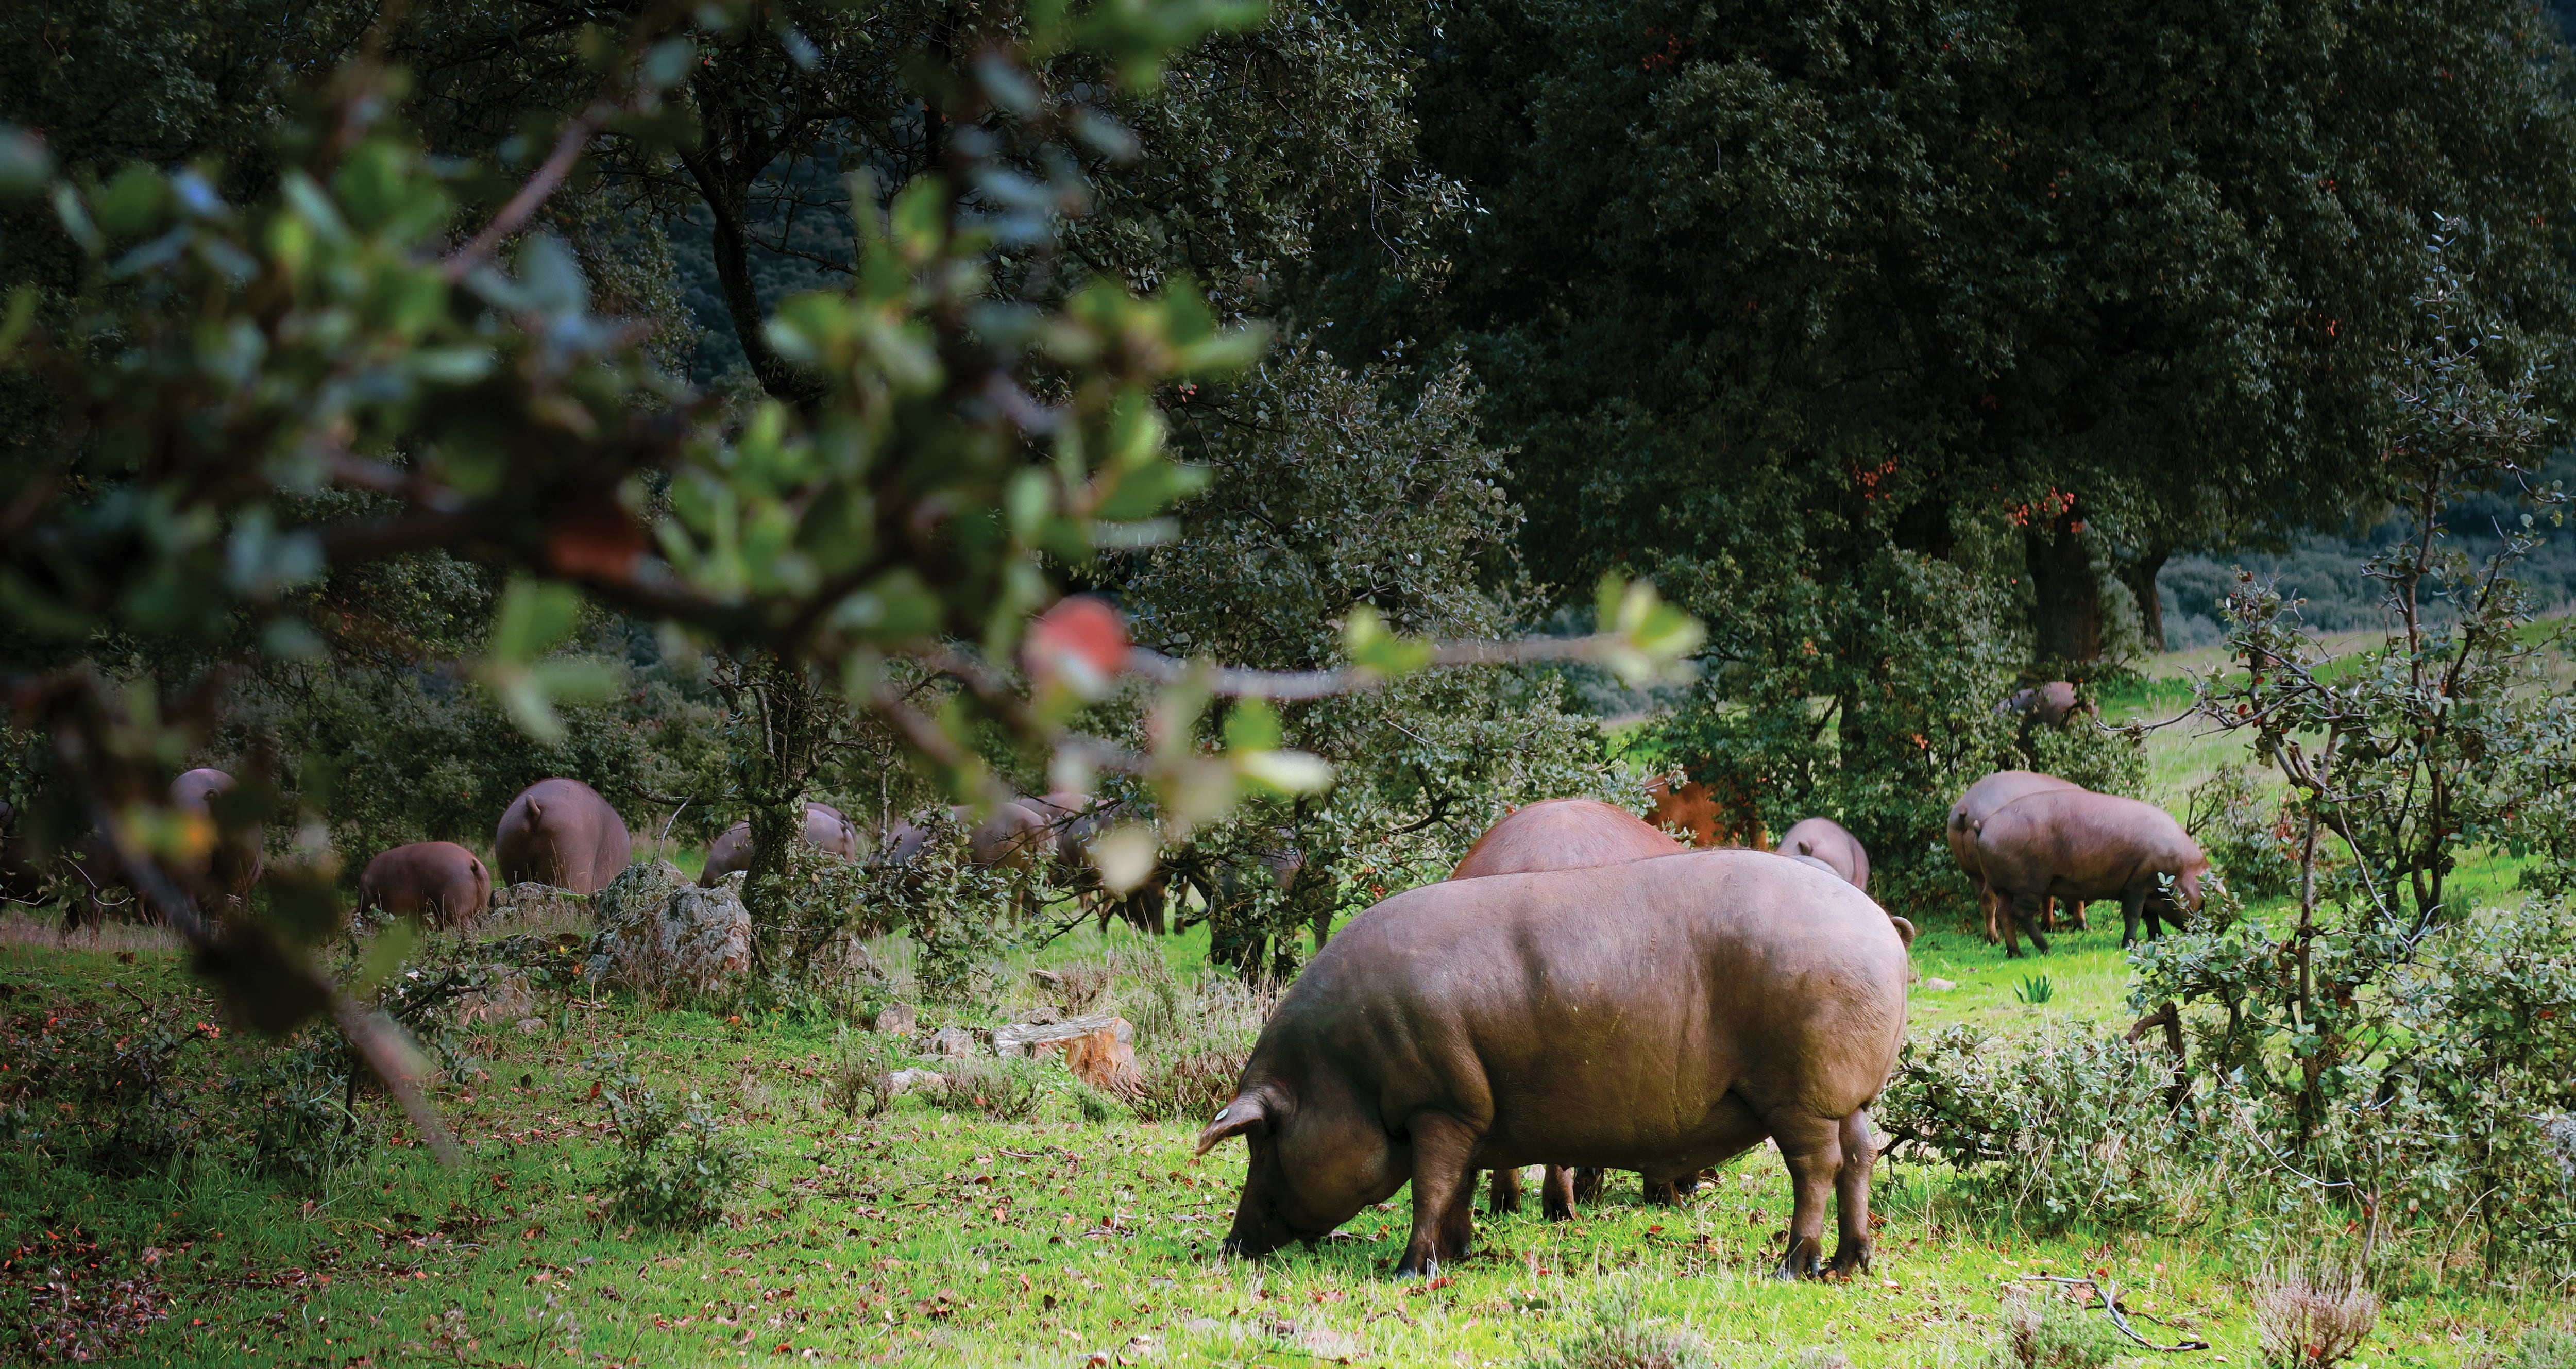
(926, 1237)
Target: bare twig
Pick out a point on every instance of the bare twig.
(574, 140)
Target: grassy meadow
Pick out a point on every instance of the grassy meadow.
(940, 1235)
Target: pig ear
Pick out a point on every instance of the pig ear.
(1234, 1119)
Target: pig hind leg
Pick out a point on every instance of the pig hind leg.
(2025, 919)
(1851, 1195)
(1585, 1187)
(1444, 1150)
(1813, 1148)
(1503, 1195)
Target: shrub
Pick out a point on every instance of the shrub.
(1615, 1334)
(863, 1090)
(675, 1169)
(2067, 1125)
(1186, 1088)
(2305, 1321)
(2251, 836)
(2047, 1331)
(105, 1086)
(307, 1125)
(2551, 1345)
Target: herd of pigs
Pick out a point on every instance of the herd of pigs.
(1584, 992)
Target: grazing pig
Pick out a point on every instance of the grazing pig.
(561, 832)
(1560, 834)
(1659, 1015)
(1983, 798)
(2048, 705)
(1012, 837)
(824, 828)
(220, 881)
(2074, 844)
(439, 882)
(1832, 843)
(899, 843)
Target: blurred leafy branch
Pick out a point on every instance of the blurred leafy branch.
(962, 445)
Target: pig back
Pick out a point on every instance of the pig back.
(1983, 798)
(1601, 1016)
(561, 832)
(1561, 834)
(2075, 843)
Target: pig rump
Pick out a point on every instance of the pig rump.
(1660, 1015)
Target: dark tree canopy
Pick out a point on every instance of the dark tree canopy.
(1755, 274)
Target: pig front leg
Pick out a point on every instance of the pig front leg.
(1503, 1196)
(1444, 1150)
(1556, 1194)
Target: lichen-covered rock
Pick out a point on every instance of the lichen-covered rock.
(505, 996)
(705, 936)
(896, 1019)
(658, 933)
(638, 892)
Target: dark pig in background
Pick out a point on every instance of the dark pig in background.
(439, 882)
(561, 832)
(1829, 841)
(2076, 844)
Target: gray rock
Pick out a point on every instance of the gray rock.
(659, 933)
(896, 1019)
(905, 1081)
(1938, 985)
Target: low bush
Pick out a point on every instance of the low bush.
(2310, 1321)
(2250, 835)
(2048, 1330)
(1003, 1090)
(675, 1169)
(1615, 1333)
(2068, 1125)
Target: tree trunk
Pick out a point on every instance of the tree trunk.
(730, 155)
(2140, 576)
(2067, 617)
(779, 735)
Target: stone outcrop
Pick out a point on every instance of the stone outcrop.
(660, 933)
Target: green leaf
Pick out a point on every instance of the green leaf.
(533, 617)
(1252, 725)
(1374, 649)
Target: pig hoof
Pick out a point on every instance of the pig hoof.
(1406, 1272)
